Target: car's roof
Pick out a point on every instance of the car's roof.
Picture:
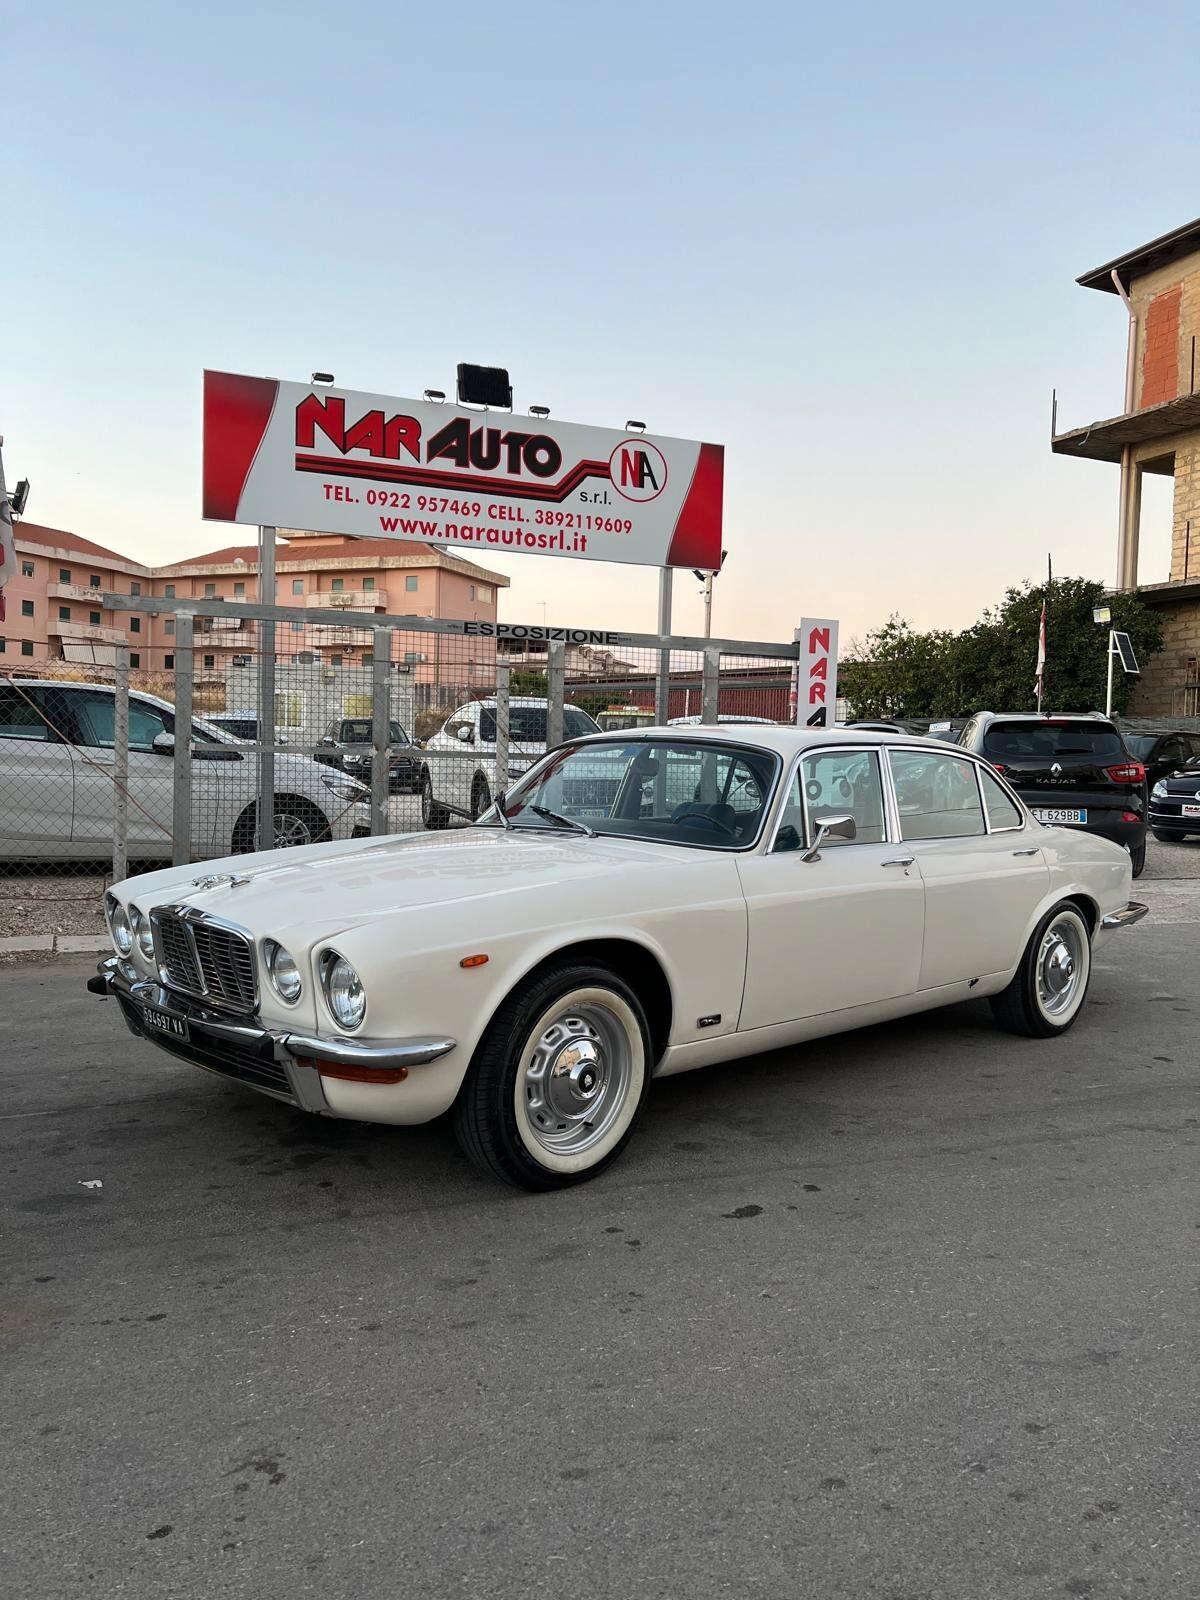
(784, 739)
(1045, 716)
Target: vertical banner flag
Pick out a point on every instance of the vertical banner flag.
(8, 549)
(813, 700)
(1039, 682)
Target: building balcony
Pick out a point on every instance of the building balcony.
(334, 638)
(83, 593)
(348, 599)
(1104, 441)
(209, 625)
(82, 632)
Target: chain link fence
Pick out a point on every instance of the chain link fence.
(310, 726)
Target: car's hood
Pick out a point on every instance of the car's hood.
(324, 887)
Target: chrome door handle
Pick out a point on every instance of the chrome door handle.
(900, 861)
(1032, 852)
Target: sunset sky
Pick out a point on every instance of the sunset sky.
(840, 240)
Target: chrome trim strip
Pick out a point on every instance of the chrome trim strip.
(385, 1054)
(1133, 912)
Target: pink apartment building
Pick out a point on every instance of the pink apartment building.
(54, 610)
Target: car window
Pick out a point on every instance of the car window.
(1002, 812)
(838, 783)
(1141, 745)
(937, 795)
(95, 714)
(20, 719)
(1042, 741)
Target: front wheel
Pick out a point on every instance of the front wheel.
(481, 797)
(1167, 835)
(558, 1079)
(1048, 988)
(432, 815)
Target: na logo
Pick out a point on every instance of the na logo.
(638, 469)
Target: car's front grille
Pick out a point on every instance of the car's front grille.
(204, 957)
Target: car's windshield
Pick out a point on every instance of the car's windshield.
(358, 730)
(527, 724)
(1043, 741)
(688, 792)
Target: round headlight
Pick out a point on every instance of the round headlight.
(118, 925)
(283, 973)
(344, 993)
(143, 933)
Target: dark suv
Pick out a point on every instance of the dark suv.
(1073, 771)
(346, 744)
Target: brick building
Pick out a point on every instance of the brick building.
(54, 610)
(1158, 431)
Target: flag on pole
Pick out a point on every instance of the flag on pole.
(8, 549)
(1039, 681)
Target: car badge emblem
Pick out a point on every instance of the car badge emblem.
(1056, 770)
(216, 878)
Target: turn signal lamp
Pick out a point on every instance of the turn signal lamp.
(474, 961)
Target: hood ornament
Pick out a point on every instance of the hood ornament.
(215, 878)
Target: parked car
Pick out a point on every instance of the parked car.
(1071, 771)
(1175, 803)
(243, 725)
(346, 744)
(459, 769)
(1162, 753)
(740, 890)
(56, 780)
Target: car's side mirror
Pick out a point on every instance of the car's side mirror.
(163, 744)
(466, 735)
(838, 827)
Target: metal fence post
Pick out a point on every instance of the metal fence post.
(662, 682)
(265, 809)
(181, 800)
(710, 685)
(120, 856)
(556, 682)
(381, 712)
(503, 689)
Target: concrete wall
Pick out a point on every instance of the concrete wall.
(1169, 683)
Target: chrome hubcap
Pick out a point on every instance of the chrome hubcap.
(1060, 968)
(577, 1078)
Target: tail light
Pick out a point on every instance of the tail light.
(1127, 772)
(1130, 816)
(998, 766)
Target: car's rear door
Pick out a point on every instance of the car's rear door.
(151, 775)
(37, 775)
(983, 870)
(841, 931)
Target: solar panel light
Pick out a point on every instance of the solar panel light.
(322, 377)
(1102, 614)
(539, 411)
(484, 386)
(1122, 646)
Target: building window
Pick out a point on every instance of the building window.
(94, 580)
(26, 608)
(135, 588)
(241, 661)
(168, 662)
(297, 627)
(169, 592)
(368, 584)
(297, 585)
(410, 585)
(27, 569)
(210, 591)
(483, 592)
(135, 659)
(3, 646)
(26, 647)
(64, 613)
(368, 657)
(414, 656)
(239, 589)
(209, 663)
(64, 574)
(471, 592)
(94, 618)
(135, 624)
(169, 626)
(338, 585)
(335, 661)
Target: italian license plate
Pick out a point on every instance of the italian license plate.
(1059, 816)
(164, 1022)
(1191, 811)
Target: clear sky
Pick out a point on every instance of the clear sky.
(839, 239)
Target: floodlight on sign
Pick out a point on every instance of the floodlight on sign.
(322, 377)
(1102, 614)
(435, 396)
(1123, 647)
(634, 426)
(539, 411)
(484, 386)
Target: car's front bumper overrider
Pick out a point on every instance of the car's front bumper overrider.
(1133, 912)
(286, 1064)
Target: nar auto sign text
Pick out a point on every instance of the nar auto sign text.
(288, 455)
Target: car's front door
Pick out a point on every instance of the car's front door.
(37, 777)
(984, 874)
(840, 931)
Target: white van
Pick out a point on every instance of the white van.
(460, 766)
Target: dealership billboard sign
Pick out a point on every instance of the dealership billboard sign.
(334, 461)
(813, 694)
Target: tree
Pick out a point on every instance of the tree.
(991, 665)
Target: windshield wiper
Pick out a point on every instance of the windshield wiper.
(566, 822)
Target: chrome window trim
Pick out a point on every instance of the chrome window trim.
(953, 754)
(983, 769)
(833, 747)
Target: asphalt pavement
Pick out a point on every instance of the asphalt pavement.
(909, 1314)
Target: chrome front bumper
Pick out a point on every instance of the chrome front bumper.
(274, 1061)
(1133, 912)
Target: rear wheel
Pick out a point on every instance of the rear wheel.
(1167, 835)
(558, 1080)
(1137, 858)
(432, 814)
(481, 797)
(1049, 986)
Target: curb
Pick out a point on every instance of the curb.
(63, 944)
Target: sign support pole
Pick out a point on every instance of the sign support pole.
(662, 687)
(1108, 693)
(265, 810)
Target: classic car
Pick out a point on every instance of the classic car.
(639, 904)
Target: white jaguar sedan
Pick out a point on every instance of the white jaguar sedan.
(638, 904)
